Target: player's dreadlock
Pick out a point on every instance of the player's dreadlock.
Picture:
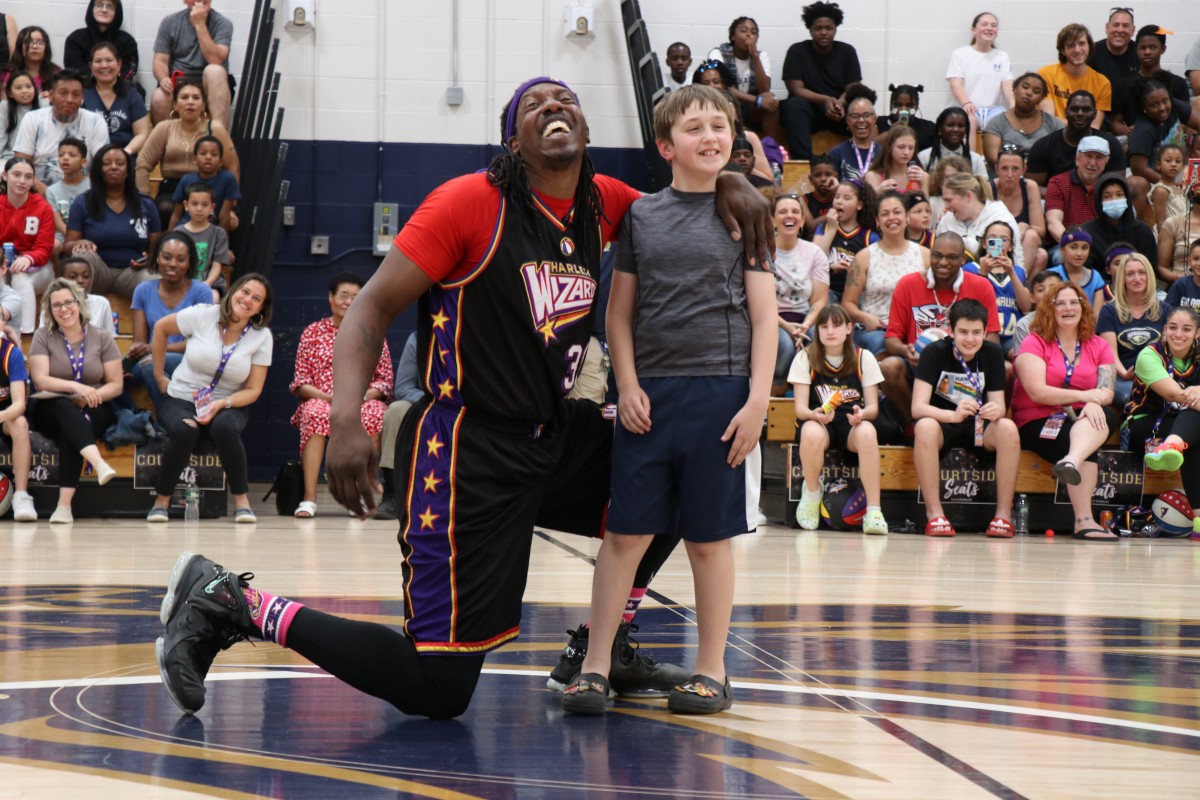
(507, 172)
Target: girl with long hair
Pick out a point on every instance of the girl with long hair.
(836, 386)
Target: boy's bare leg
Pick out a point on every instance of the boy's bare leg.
(616, 564)
(712, 575)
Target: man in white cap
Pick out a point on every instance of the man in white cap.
(1070, 196)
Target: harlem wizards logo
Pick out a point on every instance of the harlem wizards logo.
(559, 295)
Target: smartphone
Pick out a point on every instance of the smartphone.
(176, 77)
(995, 247)
(902, 116)
(1191, 176)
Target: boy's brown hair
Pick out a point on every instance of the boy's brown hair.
(676, 104)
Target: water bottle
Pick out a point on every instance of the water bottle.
(1021, 516)
(777, 172)
(191, 502)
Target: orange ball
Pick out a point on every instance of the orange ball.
(1050, 533)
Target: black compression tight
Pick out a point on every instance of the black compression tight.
(384, 663)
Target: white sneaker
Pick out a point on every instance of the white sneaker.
(23, 510)
(762, 519)
(105, 473)
(62, 516)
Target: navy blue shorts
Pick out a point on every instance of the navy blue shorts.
(679, 469)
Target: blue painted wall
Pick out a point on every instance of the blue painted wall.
(333, 187)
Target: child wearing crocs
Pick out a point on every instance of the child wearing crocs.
(836, 386)
(1162, 414)
(958, 401)
(692, 336)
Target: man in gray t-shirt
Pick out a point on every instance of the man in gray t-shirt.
(193, 43)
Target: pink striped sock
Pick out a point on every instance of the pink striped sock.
(270, 614)
(631, 605)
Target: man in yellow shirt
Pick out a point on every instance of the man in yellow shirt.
(1072, 73)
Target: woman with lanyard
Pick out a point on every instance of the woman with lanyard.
(854, 157)
(27, 223)
(1064, 387)
(119, 103)
(222, 372)
(76, 370)
(1162, 415)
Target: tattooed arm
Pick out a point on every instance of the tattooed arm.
(856, 282)
(1106, 381)
(351, 460)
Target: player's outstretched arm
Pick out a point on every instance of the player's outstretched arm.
(351, 460)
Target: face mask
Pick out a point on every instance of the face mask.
(1113, 209)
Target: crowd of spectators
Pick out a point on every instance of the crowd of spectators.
(1064, 200)
(94, 173)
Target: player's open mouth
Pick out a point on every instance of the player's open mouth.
(556, 128)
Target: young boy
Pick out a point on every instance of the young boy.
(207, 153)
(958, 401)
(679, 61)
(1186, 291)
(212, 243)
(72, 156)
(692, 335)
(13, 390)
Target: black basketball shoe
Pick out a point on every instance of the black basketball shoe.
(634, 674)
(204, 612)
(570, 660)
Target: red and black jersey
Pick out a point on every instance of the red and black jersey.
(503, 330)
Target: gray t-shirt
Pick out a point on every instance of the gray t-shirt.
(60, 195)
(177, 38)
(690, 315)
(202, 327)
(98, 350)
(1000, 126)
(212, 244)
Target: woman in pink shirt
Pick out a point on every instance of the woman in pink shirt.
(1065, 380)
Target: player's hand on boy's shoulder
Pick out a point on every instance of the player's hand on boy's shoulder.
(747, 217)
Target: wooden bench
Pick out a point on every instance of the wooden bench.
(899, 473)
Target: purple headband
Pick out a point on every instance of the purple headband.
(1115, 252)
(510, 120)
(1076, 236)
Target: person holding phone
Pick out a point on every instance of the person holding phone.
(995, 262)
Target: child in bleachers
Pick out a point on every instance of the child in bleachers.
(212, 244)
(920, 219)
(1076, 250)
(1185, 292)
(836, 386)
(1167, 195)
(994, 261)
(14, 389)
(72, 155)
(78, 270)
(208, 154)
(958, 401)
(679, 61)
(823, 177)
(21, 98)
(845, 230)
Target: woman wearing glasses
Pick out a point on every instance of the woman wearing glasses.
(1023, 198)
(76, 371)
(1062, 398)
(32, 54)
(102, 23)
(313, 384)
(1023, 124)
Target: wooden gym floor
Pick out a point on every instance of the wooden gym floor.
(864, 667)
